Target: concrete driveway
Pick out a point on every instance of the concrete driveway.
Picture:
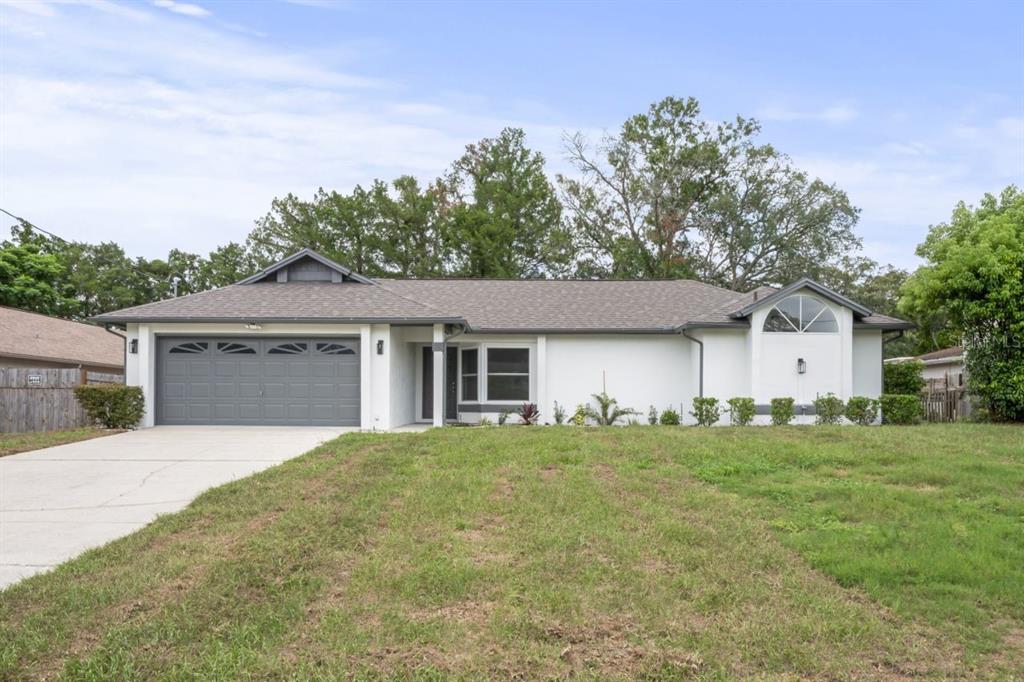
(56, 503)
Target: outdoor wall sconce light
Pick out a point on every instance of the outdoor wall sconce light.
(133, 346)
(801, 366)
(380, 346)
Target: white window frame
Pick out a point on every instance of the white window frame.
(825, 307)
(530, 373)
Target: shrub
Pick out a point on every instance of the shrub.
(862, 410)
(652, 415)
(829, 409)
(669, 418)
(529, 414)
(900, 409)
(608, 411)
(782, 411)
(113, 405)
(741, 411)
(502, 417)
(559, 413)
(903, 378)
(706, 411)
(579, 417)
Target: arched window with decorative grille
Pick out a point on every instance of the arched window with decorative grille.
(801, 314)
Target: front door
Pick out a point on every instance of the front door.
(451, 383)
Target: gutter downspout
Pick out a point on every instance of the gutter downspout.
(701, 345)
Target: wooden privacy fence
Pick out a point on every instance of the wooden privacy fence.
(943, 403)
(44, 399)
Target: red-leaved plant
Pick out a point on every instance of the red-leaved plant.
(529, 414)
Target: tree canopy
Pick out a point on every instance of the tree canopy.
(668, 195)
(974, 278)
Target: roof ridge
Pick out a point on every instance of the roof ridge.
(411, 300)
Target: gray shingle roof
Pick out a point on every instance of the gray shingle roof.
(480, 304)
(267, 301)
(574, 305)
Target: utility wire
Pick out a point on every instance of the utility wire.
(132, 265)
(35, 227)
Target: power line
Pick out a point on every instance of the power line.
(34, 226)
(129, 262)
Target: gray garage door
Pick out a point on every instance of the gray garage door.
(287, 381)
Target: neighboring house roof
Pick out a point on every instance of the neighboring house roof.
(492, 305)
(32, 336)
(953, 354)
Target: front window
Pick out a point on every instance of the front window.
(508, 374)
(470, 373)
(801, 314)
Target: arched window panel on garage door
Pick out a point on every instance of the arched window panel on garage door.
(291, 348)
(190, 347)
(335, 349)
(235, 348)
(801, 314)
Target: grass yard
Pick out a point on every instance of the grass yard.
(656, 552)
(13, 443)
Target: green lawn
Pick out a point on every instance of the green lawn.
(845, 552)
(13, 443)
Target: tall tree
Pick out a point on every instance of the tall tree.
(502, 214)
(31, 279)
(638, 195)
(769, 223)
(974, 275)
(407, 224)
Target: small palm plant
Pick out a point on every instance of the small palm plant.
(608, 411)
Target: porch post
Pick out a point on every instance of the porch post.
(439, 370)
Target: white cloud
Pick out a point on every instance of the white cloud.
(838, 113)
(158, 134)
(186, 8)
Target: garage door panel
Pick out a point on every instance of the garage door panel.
(298, 391)
(248, 390)
(266, 381)
(199, 411)
(199, 368)
(198, 389)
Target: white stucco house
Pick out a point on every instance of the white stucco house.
(309, 341)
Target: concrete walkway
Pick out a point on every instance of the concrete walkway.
(56, 503)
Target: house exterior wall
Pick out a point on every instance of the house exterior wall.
(867, 362)
(774, 357)
(637, 370)
(726, 363)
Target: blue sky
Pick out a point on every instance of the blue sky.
(173, 124)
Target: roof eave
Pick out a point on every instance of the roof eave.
(803, 283)
(269, 320)
(898, 325)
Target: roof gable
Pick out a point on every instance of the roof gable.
(306, 266)
(803, 283)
